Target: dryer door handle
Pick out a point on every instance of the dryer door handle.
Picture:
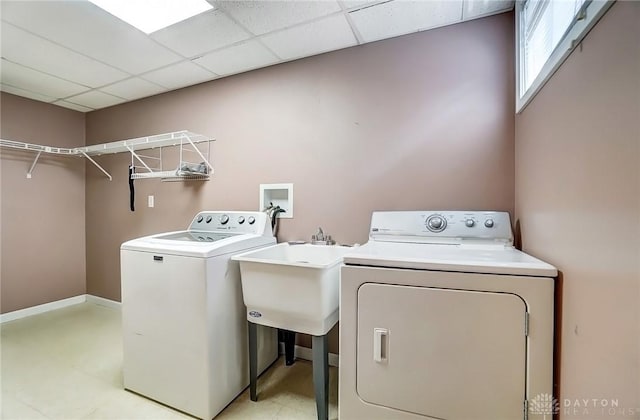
(380, 345)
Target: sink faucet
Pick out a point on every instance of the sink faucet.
(321, 239)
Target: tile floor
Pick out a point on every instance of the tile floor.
(66, 364)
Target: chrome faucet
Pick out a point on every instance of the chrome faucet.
(321, 239)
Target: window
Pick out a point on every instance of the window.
(546, 33)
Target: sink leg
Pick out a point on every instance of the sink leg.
(320, 351)
(253, 360)
(289, 347)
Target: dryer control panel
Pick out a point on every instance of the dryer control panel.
(454, 227)
(254, 222)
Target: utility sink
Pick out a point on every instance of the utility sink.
(293, 287)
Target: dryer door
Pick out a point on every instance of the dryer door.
(449, 354)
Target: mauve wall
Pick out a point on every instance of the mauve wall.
(42, 218)
(423, 121)
(578, 204)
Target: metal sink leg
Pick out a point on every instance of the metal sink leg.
(253, 360)
(320, 349)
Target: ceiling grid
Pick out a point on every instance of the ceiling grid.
(76, 55)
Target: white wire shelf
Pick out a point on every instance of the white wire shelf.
(177, 138)
(150, 142)
(140, 143)
(37, 148)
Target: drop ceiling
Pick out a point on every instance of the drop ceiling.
(76, 55)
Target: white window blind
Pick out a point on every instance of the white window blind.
(545, 24)
(547, 31)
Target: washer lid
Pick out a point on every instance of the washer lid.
(487, 259)
(195, 236)
(183, 243)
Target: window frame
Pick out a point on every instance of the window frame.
(590, 14)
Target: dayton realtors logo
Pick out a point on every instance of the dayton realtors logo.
(546, 405)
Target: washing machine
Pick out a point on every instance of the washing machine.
(442, 318)
(183, 317)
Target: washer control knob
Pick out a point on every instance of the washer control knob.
(436, 223)
(240, 220)
(208, 219)
(200, 218)
(251, 220)
(470, 222)
(224, 219)
(488, 223)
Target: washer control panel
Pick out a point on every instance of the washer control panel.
(441, 226)
(231, 221)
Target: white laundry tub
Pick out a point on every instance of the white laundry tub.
(293, 287)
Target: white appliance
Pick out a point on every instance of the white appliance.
(183, 318)
(441, 318)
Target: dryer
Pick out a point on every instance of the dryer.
(183, 317)
(441, 318)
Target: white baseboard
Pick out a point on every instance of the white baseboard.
(58, 304)
(40, 309)
(104, 302)
(306, 353)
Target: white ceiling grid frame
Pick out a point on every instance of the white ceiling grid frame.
(354, 30)
(400, 17)
(35, 81)
(104, 38)
(359, 4)
(302, 40)
(26, 93)
(179, 75)
(95, 99)
(73, 106)
(133, 88)
(200, 34)
(261, 17)
(40, 54)
(246, 56)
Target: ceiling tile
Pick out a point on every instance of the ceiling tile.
(87, 29)
(75, 107)
(26, 93)
(179, 75)
(324, 35)
(202, 33)
(95, 99)
(133, 88)
(237, 59)
(395, 18)
(261, 17)
(477, 8)
(37, 53)
(25, 78)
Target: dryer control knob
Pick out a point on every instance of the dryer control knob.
(488, 223)
(200, 218)
(251, 220)
(224, 219)
(470, 222)
(436, 223)
(208, 220)
(240, 220)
